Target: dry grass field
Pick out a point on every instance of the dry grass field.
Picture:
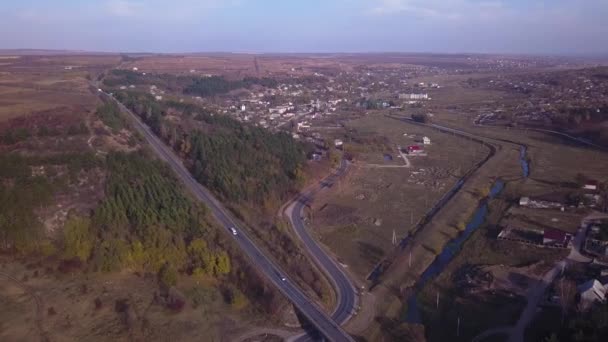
(240, 65)
(357, 219)
(236, 65)
(53, 112)
(555, 165)
(77, 307)
(32, 84)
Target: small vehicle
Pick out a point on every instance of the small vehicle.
(233, 230)
(280, 275)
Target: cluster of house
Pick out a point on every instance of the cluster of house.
(594, 225)
(268, 115)
(550, 94)
(596, 241)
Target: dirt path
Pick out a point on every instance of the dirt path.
(39, 305)
(534, 297)
(404, 156)
(407, 164)
(535, 294)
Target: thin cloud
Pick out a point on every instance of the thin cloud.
(124, 8)
(433, 9)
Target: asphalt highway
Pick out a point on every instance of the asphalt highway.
(345, 291)
(322, 322)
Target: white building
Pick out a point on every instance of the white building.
(590, 185)
(591, 292)
(414, 96)
(338, 143)
(243, 108)
(135, 69)
(426, 140)
(302, 125)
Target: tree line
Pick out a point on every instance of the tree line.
(144, 222)
(240, 162)
(191, 85)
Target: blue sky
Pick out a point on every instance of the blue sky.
(502, 26)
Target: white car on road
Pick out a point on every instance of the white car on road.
(233, 230)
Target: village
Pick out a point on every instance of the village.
(551, 100)
(336, 111)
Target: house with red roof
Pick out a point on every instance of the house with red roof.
(556, 238)
(415, 149)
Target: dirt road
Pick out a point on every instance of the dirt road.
(39, 305)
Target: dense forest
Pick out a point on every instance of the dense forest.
(109, 114)
(251, 169)
(22, 192)
(192, 85)
(245, 163)
(145, 223)
(240, 162)
(215, 85)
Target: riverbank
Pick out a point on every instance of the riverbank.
(422, 250)
(449, 252)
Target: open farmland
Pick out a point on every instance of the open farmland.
(32, 84)
(357, 219)
(555, 172)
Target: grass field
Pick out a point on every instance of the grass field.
(34, 86)
(85, 307)
(555, 165)
(483, 307)
(357, 219)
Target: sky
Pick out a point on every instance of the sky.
(565, 27)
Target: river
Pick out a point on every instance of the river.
(453, 247)
(523, 159)
(449, 252)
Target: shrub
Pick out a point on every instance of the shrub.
(167, 275)
(422, 118)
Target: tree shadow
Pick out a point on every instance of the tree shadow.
(370, 252)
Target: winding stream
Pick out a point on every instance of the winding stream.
(449, 252)
(453, 247)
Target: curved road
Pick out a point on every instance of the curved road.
(44, 336)
(345, 291)
(325, 324)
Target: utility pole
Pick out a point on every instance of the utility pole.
(394, 238)
(311, 213)
(410, 264)
(437, 300)
(561, 297)
(458, 327)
